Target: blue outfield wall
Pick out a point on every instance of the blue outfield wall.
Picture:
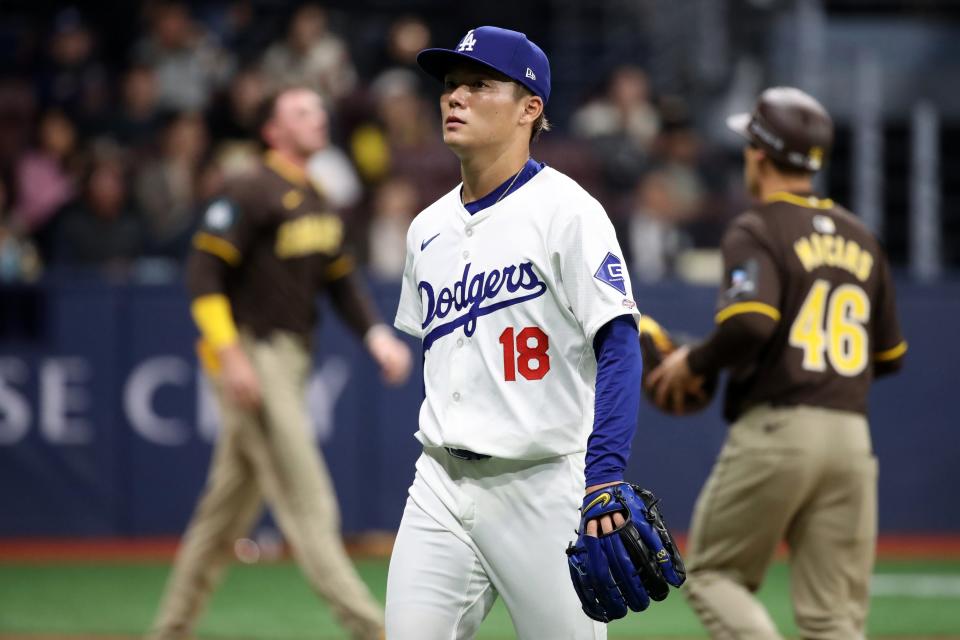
(106, 425)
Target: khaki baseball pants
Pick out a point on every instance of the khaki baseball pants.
(803, 475)
(268, 455)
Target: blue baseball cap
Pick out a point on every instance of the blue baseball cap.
(503, 50)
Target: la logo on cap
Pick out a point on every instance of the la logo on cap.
(468, 42)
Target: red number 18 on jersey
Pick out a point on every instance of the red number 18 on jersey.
(526, 353)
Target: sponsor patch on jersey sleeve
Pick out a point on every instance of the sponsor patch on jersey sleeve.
(742, 283)
(611, 273)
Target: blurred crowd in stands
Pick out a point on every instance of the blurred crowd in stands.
(108, 164)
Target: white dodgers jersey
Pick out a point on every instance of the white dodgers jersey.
(507, 302)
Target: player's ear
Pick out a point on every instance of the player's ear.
(764, 164)
(532, 108)
(269, 132)
(757, 155)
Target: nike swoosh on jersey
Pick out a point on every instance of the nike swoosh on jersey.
(423, 245)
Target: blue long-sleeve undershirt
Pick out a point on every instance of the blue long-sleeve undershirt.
(619, 368)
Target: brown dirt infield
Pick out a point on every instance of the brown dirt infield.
(374, 544)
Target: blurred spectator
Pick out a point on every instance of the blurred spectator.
(239, 28)
(311, 56)
(137, 118)
(679, 150)
(621, 125)
(405, 38)
(45, 176)
(19, 259)
(655, 237)
(71, 77)
(101, 230)
(679, 155)
(401, 110)
(189, 65)
(234, 115)
(395, 204)
(332, 170)
(17, 111)
(403, 139)
(625, 110)
(166, 188)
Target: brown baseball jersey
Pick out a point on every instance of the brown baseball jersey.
(270, 244)
(806, 314)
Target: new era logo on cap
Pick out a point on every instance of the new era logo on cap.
(506, 51)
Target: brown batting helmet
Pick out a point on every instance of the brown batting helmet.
(790, 126)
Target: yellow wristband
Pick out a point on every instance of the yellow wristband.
(212, 314)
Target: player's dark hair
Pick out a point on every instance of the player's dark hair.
(789, 170)
(264, 114)
(541, 124)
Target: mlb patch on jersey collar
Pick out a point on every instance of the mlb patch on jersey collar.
(611, 273)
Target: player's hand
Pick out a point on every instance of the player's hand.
(607, 523)
(673, 379)
(240, 380)
(390, 353)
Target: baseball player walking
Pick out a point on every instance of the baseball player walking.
(805, 320)
(515, 284)
(262, 254)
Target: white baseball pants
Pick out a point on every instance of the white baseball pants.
(476, 529)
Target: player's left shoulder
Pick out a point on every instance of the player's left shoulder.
(753, 221)
(853, 224)
(432, 219)
(567, 199)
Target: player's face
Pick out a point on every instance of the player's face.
(479, 108)
(300, 122)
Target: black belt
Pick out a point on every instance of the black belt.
(464, 454)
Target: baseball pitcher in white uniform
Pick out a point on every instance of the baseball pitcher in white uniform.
(515, 283)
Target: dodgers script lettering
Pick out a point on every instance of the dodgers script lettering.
(471, 292)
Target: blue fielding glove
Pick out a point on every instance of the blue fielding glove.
(631, 564)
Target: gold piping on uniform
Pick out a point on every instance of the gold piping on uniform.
(339, 268)
(891, 354)
(810, 202)
(217, 246)
(285, 169)
(748, 307)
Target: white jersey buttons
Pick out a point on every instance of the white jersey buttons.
(456, 396)
(466, 254)
(459, 342)
(469, 232)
